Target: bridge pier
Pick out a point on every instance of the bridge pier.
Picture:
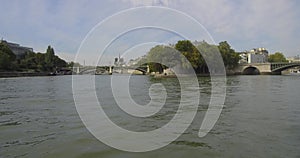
(110, 70)
(276, 73)
(77, 70)
(148, 69)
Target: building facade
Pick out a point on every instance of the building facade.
(18, 50)
(257, 55)
(293, 59)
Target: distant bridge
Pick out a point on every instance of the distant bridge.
(278, 67)
(265, 68)
(111, 69)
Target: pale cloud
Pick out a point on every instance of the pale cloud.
(137, 3)
(132, 28)
(245, 24)
(66, 56)
(64, 24)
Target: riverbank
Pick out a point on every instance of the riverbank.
(162, 75)
(23, 74)
(32, 74)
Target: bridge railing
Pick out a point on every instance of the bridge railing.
(282, 65)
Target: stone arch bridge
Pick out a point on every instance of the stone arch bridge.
(110, 69)
(265, 68)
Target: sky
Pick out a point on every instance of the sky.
(67, 25)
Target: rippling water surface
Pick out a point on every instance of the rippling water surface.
(261, 118)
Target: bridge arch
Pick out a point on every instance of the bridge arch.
(251, 70)
(141, 70)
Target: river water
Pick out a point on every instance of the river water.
(261, 118)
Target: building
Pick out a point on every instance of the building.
(257, 55)
(257, 58)
(134, 62)
(293, 59)
(119, 61)
(18, 50)
(243, 57)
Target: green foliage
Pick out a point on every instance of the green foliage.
(39, 62)
(210, 57)
(7, 57)
(32, 61)
(29, 61)
(72, 64)
(160, 57)
(4, 61)
(230, 57)
(277, 57)
(185, 46)
(190, 56)
(191, 53)
(59, 62)
(50, 58)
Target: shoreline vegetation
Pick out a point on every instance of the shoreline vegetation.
(22, 74)
(30, 63)
(199, 57)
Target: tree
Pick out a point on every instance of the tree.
(59, 62)
(29, 61)
(160, 57)
(72, 64)
(7, 57)
(210, 57)
(184, 46)
(50, 58)
(195, 57)
(277, 57)
(191, 53)
(4, 61)
(230, 57)
(40, 60)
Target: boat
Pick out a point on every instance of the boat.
(294, 73)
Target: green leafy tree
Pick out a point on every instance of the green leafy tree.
(4, 61)
(72, 64)
(230, 57)
(50, 58)
(277, 57)
(40, 60)
(29, 61)
(185, 46)
(210, 55)
(195, 57)
(58, 62)
(191, 53)
(160, 57)
(155, 54)
(7, 57)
